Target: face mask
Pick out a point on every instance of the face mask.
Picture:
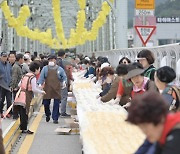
(51, 63)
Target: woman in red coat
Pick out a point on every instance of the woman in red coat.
(150, 113)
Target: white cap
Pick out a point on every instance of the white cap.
(26, 56)
(87, 58)
(105, 65)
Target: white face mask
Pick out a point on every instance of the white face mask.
(51, 63)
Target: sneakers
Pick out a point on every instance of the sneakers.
(65, 115)
(55, 121)
(47, 118)
(27, 132)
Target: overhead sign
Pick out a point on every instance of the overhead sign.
(144, 12)
(145, 33)
(168, 19)
(145, 4)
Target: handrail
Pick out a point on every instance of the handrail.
(12, 133)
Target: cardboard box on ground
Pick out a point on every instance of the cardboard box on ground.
(71, 124)
(70, 127)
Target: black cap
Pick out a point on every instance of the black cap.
(52, 57)
(166, 74)
(4, 54)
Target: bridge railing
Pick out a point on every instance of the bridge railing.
(166, 55)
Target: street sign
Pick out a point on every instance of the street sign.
(145, 33)
(145, 4)
(144, 12)
(168, 19)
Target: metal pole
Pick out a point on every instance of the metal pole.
(110, 32)
(121, 23)
(1, 19)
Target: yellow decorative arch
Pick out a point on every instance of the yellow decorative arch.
(78, 36)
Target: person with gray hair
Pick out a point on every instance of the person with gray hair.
(25, 65)
(16, 77)
(5, 77)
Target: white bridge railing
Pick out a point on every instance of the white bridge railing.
(166, 55)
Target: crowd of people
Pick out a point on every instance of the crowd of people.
(22, 76)
(147, 93)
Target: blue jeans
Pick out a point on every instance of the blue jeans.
(55, 112)
(64, 95)
(5, 94)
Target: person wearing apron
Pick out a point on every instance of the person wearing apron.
(24, 96)
(54, 79)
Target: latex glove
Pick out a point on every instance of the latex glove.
(98, 96)
(43, 92)
(63, 85)
(40, 86)
(98, 84)
(127, 105)
(116, 101)
(91, 76)
(93, 79)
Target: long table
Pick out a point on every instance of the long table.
(103, 128)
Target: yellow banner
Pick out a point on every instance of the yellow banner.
(145, 4)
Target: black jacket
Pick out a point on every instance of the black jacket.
(172, 144)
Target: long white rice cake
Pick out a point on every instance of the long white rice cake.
(109, 133)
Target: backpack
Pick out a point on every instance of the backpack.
(176, 104)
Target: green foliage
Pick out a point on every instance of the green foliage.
(164, 8)
(168, 9)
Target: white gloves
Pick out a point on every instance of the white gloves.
(91, 76)
(63, 85)
(98, 96)
(40, 86)
(116, 101)
(127, 105)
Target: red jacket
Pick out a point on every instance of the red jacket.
(171, 121)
